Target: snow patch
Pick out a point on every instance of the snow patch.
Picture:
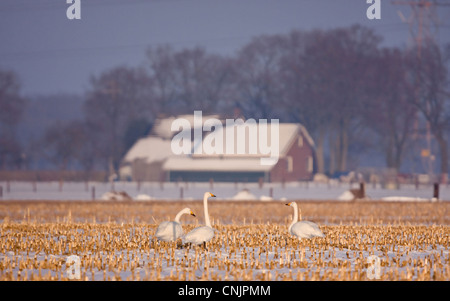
(404, 199)
(265, 198)
(244, 195)
(116, 196)
(143, 197)
(346, 196)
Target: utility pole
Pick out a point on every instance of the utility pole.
(113, 90)
(423, 26)
(423, 23)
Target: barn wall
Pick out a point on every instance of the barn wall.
(192, 176)
(142, 171)
(300, 157)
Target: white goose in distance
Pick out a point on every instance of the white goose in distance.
(303, 229)
(171, 230)
(201, 234)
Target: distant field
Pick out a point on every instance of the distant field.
(227, 212)
(114, 241)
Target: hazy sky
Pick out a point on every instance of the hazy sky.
(53, 54)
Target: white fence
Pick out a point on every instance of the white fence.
(194, 191)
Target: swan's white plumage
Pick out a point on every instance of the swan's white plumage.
(199, 235)
(306, 229)
(303, 229)
(172, 230)
(169, 231)
(204, 233)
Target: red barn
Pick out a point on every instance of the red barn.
(295, 158)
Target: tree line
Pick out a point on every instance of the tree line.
(351, 93)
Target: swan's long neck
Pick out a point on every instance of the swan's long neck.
(205, 208)
(295, 219)
(178, 216)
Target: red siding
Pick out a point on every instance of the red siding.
(300, 159)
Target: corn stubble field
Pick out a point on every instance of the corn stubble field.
(114, 241)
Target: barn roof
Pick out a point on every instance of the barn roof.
(158, 147)
(287, 134)
(237, 162)
(150, 149)
(162, 127)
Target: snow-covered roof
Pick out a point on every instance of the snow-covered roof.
(209, 164)
(149, 148)
(305, 133)
(158, 146)
(162, 127)
(286, 135)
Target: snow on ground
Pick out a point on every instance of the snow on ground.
(346, 196)
(407, 199)
(223, 191)
(143, 197)
(284, 261)
(243, 196)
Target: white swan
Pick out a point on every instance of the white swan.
(171, 230)
(303, 229)
(201, 234)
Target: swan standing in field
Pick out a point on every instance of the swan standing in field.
(201, 234)
(171, 230)
(303, 229)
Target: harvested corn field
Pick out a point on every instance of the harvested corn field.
(115, 241)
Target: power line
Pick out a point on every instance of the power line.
(51, 5)
(50, 53)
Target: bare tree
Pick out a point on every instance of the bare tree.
(188, 80)
(353, 49)
(11, 108)
(386, 110)
(161, 70)
(257, 69)
(71, 145)
(305, 85)
(325, 75)
(429, 81)
(63, 143)
(115, 98)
